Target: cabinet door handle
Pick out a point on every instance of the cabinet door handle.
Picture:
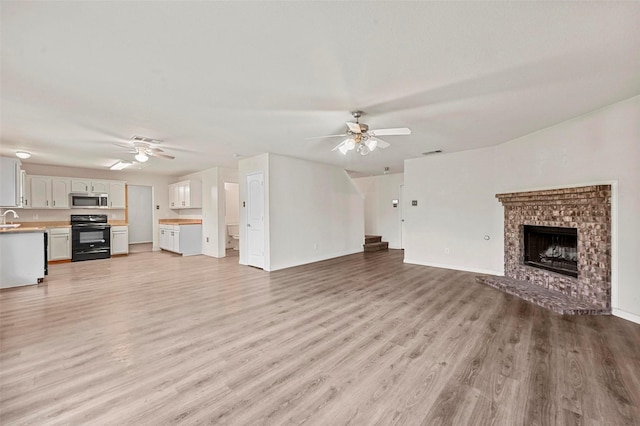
(54, 203)
(47, 202)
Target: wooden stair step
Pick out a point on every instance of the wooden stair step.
(377, 246)
(368, 239)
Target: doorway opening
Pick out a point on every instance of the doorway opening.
(232, 218)
(140, 218)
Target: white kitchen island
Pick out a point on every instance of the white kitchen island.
(22, 256)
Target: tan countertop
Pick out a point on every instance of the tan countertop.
(22, 229)
(64, 224)
(49, 224)
(180, 221)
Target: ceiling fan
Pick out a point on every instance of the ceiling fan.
(143, 149)
(363, 140)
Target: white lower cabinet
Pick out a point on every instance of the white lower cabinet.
(59, 243)
(183, 239)
(119, 240)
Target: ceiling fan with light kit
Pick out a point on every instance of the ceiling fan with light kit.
(363, 140)
(143, 148)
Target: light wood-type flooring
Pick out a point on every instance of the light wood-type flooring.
(158, 339)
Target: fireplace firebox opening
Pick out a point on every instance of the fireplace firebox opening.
(551, 248)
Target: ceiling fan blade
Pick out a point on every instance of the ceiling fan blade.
(354, 127)
(382, 144)
(157, 154)
(338, 146)
(322, 137)
(155, 150)
(390, 132)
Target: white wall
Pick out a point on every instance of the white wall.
(159, 183)
(456, 209)
(457, 205)
(380, 217)
(315, 212)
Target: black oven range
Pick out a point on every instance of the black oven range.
(90, 237)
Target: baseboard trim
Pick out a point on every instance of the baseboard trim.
(318, 259)
(626, 315)
(455, 267)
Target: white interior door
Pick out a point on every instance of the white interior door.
(255, 220)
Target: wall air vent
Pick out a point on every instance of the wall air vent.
(437, 151)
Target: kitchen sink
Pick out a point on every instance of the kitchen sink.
(13, 225)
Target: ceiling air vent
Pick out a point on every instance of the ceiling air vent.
(145, 139)
(437, 151)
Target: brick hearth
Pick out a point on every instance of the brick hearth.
(586, 208)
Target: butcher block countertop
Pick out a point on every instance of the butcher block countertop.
(22, 229)
(64, 224)
(49, 224)
(180, 221)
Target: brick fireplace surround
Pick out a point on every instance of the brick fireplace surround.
(586, 208)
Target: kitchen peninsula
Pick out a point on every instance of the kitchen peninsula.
(22, 256)
(182, 236)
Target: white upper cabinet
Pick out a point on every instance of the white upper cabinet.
(117, 197)
(40, 192)
(25, 190)
(60, 193)
(185, 195)
(47, 192)
(100, 186)
(10, 182)
(80, 185)
(90, 186)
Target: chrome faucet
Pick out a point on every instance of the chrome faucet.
(4, 219)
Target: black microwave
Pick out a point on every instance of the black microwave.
(89, 201)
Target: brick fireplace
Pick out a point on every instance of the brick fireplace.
(585, 211)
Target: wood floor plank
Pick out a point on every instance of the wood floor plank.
(156, 338)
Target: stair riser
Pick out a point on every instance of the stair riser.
(379, 246)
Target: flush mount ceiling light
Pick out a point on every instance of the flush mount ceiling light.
(120, 165)
(23, 154)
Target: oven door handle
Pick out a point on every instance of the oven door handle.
(91, 227)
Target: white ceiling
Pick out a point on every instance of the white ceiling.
(216, 78)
